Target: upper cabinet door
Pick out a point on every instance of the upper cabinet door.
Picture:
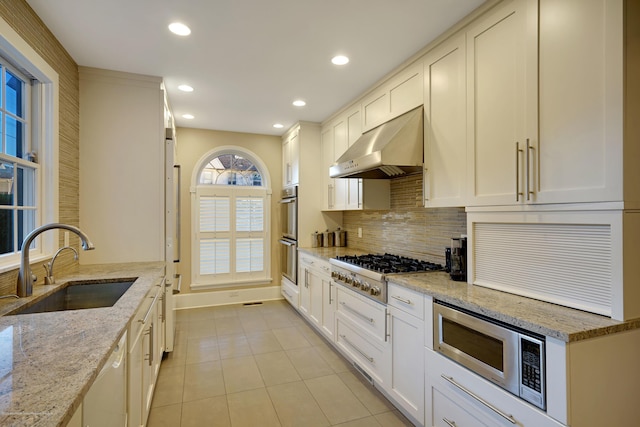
(291, 158)
(501, 102)
(581, 102)
(399, 95)
(445, 143)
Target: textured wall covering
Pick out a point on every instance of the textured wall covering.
(407, 228)
(28, 25)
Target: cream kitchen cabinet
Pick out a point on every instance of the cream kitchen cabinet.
(312, 278)
(401, 93)
(122, 128)
(306, 172)
(361, 334)
(501, 101)
(334, 190)
(445, 146)
(405, 384)
(545, 103)
(457, 397)
(317, 294)
(579, 150)
(144, 356)
(291, 158)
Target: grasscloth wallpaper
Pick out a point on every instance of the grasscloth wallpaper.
(26, 23)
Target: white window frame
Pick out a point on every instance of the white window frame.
(231, 279)
(44, 131)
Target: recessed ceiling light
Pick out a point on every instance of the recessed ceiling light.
(278, 125)
(179, 29)
(188, 116)
(299, 103)
(185, 88)
(340, 60)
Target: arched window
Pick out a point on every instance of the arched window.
(231, 221)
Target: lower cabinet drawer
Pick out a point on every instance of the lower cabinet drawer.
(369, 356)
(458, 395)
(447, 412)
(369, 315)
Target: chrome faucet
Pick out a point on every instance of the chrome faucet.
(48, 267)
(25, 276)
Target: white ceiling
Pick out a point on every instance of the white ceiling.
(248, 60)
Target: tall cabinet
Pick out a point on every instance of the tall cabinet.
(122, 168)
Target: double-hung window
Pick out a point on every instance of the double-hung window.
(232, 223)
(28, 148)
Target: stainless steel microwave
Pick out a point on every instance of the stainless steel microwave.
(511, 358)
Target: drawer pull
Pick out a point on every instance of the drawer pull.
(284, 291)
(479, 399)
(353, 346)
(356, 312)
(449, 422)
(406, 301)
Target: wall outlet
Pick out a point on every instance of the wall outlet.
(359, 231)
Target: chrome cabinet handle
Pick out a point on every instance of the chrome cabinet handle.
(479, 399)
(144, 319)
(151, 344)
(518, 192)
(530, 148)
(387, 330)
(406, 301)
(356, 312)
(353, 346)
(449, 422)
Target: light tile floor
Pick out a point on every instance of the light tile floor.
(259, 366)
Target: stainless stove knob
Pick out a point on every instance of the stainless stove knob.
(375, 291)
(334, 274)
(348, 280)
(365, 286)
(356, 283)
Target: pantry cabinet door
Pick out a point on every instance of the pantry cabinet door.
(580, 96)
(502, 101)
(445, 144)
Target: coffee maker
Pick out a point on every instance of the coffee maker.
(457, 259)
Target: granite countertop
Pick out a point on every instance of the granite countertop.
(48, 361)
(552, 320)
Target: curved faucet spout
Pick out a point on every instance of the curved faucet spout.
(25, 277)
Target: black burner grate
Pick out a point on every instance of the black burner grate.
(388, 263)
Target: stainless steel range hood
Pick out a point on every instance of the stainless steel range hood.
(391, 150)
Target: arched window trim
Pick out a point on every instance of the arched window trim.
(197, 190)
(230, 149)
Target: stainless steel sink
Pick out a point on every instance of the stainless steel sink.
(80, 296)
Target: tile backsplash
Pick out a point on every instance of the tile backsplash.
(407, 228)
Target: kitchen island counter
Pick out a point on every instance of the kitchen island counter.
(563, 323)
(48, 361)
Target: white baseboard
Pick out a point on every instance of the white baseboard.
(226, 297)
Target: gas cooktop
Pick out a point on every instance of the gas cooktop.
(389, 263)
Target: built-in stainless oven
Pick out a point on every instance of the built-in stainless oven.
(511, 358)
(289, 213)
(289, 259)
(289, 239)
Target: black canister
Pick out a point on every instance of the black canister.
(447, 260)
(458, 270)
